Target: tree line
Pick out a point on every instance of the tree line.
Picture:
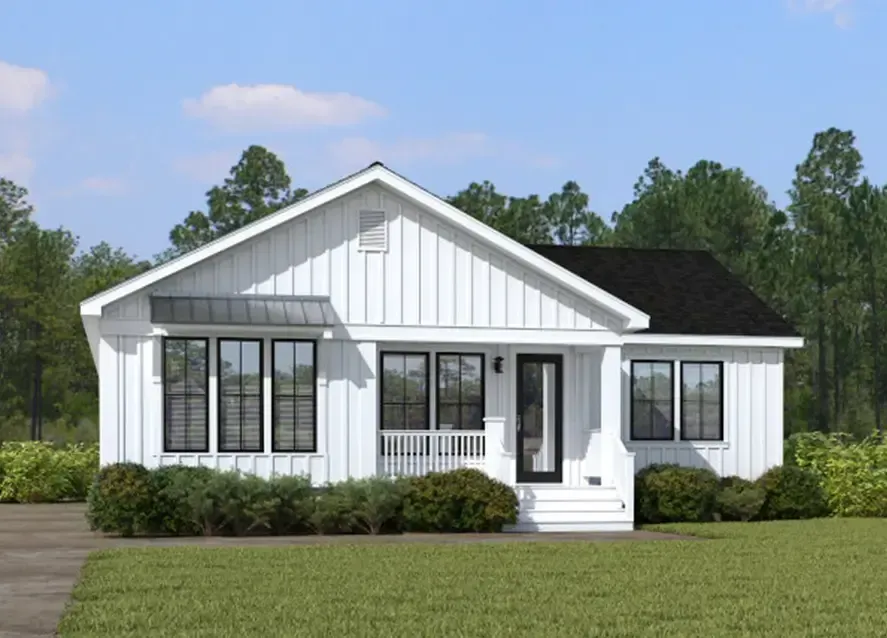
(820, 262)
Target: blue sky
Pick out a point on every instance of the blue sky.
(118, 116)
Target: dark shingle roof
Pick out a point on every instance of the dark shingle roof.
(683, 291)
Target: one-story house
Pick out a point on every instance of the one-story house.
(373, 329)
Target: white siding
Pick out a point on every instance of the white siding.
(431, 275)
(131, 400)
(753, 412)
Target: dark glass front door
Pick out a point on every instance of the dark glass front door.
(539, 418)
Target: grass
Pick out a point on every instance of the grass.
(811, 578)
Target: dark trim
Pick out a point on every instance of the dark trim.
(166, 447)
(381, 402)
(556, 475)
(720, 436)
(460, 403)
(631, 434)
(220, 395)
(295, 449)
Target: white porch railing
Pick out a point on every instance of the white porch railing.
(418, 452)
(622, 469)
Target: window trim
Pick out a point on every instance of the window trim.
(631, 401)
(271, 375)
(381, 375)
(460, 403)
(167, 448)
(220, 395)
(720, 437)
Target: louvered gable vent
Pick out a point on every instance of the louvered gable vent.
(373, 232)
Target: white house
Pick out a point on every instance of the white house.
(371, 328)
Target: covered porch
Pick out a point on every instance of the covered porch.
(525, 414)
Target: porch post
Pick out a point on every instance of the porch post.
(497, 460)
(610, 408)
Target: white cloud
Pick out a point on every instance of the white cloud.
(22, 89)
(356, 152)
(16, 166)
(104, 185)
(206, 167)
(278, 107)
(840, 10)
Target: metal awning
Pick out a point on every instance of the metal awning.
(241, 310)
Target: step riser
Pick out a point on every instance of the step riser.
(575, 494)
(571, 506)
(612, 526)
(571, 517)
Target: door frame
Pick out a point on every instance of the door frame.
(556, 475)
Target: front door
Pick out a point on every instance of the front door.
(539, 418)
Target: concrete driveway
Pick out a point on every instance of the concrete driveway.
(43, 547)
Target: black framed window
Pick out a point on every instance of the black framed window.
(652, 400)
(702, 401)
(185, 395)
(241, 416)
(460, 391)
(404, 391)
(294, 396)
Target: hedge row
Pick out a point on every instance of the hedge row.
(39, 472)
(670, 494)
(853, 475)
(128, 499)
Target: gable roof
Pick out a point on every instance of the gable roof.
(632, 318)
(686, 292)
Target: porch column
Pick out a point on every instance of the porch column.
(498, 461)
(610, 407)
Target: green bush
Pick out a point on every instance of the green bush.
(170, 511)
(38, 472)
(792, 493)
(853, 475)
(738, 500)
(120, 499)
(375, 504)
(667, 493)
(294, 504)
(465, 500)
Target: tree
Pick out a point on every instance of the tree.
(571, 221)
(15, 211)
(257, 186)
(819, 195)
(521, 218)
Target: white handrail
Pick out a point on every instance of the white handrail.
(418, 452)
(623, 469)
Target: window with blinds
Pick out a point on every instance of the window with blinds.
(185, 395)
(240, 395)
(294, 400)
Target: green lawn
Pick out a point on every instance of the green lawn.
(814, 578)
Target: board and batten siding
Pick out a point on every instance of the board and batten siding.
(131, 412)
(753, 411)
(431, 274)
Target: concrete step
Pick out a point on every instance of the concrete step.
(603, 527)
(570, 517)
(564, 493)
(598, 505)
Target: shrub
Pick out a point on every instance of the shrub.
(853, 475)
(38, 472)
(465, 500)
(670, 493)
(792, 493)
(374, 503)
(738, 500)
(120, 499)
(331, 511)
(294, 504)
(171, 490)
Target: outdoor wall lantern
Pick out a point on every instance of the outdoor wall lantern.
(497, 364)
